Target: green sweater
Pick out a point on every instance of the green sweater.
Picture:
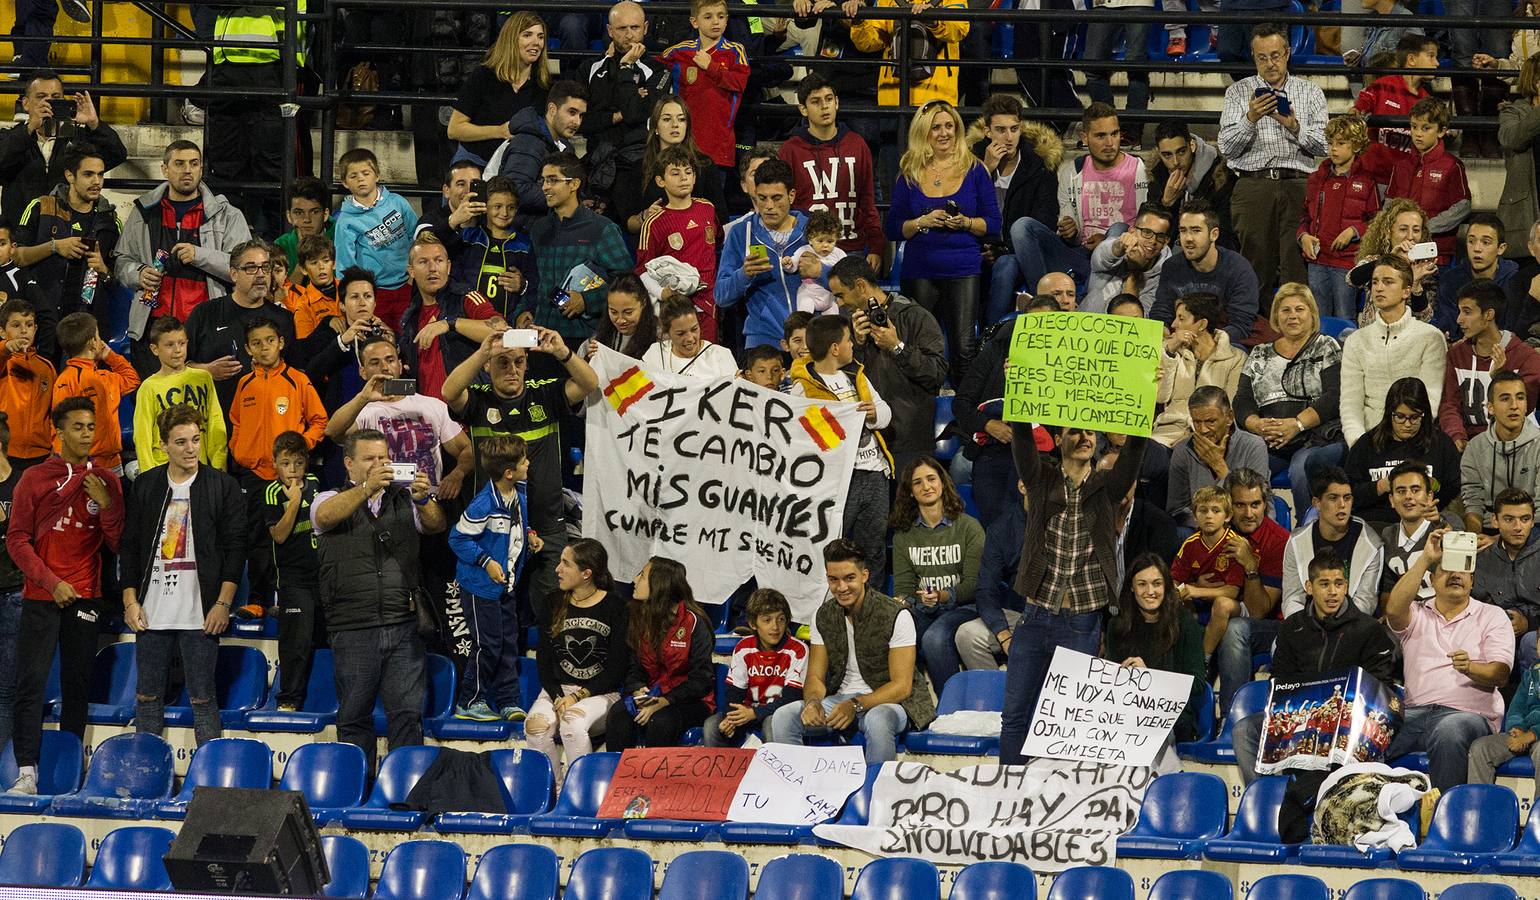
(1185, 658)
(946, 556)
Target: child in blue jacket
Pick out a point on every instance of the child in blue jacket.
(373, 229)
(490, 541)
(1518, 738)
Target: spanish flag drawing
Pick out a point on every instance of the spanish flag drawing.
(822, 427)
(629, 387)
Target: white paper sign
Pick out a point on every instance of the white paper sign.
(1047, 815)
(789, 783)
(1094, 710)
(729, 478)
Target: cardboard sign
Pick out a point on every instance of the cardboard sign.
(1317, 725)
(1094, 710)
(696, 783)
(1083, 370)
(792, 784)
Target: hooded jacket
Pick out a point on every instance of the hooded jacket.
(1310, 648)
(1510, 582)
(1490, 465)
(56, 530)
(26, 396)
(837, 175)
(1462, 412)
(1366, 464)
(1210, 179)
(218, 522)
(375, 237)
(51, 217)
(488, 530)
(771, 296)
(27, 176)
(223, 228)
(520, 156)
(1334, 202)
(909, 379)
(813, 387)
(1033, 192)
(1363, 569)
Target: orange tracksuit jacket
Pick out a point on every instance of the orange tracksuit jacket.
(26, 397)
(267, 403)
(106, 388)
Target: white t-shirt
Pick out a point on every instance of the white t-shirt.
(712, 361)
(172, 600)
(854, 684)
(415, 427)
(868, 455)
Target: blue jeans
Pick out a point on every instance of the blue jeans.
(200, 656)
(994, 481)
(388, 662)
(1039, 633)
(491, 673)
(10, 628)
(1446, 735)
(1039, 250)
(1004, 282)
(1101, 39)
(1467, 42)
(1244, 737)
(1243, 638)
(881, 725)
(938, 642)
(1304, 465)
(1332, 292)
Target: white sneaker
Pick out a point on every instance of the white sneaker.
(193, 115)
(76, 9)
(26, 782)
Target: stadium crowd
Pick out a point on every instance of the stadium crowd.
(329, 426)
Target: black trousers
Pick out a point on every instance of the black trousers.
(955, 304)
(664, 729)
(300, 631)
(44, 628)
(246, 141)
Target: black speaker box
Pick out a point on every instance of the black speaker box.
(244, 841)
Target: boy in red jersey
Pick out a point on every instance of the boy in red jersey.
(710, 74)
(685, 228)
(766, 672)
(1205, 571)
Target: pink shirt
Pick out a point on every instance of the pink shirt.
(1482, 630)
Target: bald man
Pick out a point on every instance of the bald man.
(622, 86)
(1061, 287)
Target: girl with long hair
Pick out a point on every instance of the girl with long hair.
(671, 686)
(630, 324)
(636, 191)
(1152, 628)
(1408, 431)
(514, 74)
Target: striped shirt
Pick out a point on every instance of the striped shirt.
(1267, 144)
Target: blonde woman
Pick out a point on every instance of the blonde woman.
(1400, 225)
(943, 205)
(515, 74)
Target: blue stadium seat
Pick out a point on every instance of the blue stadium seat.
(577, 808)
(994, 881)
(1092, 883)
(347, 860)
(1281, 511)
(1523, 859)
(44, 854)
(1192, 884)
(857, 806)
(610, 873)
(318, 711)
(1333, 326)
(60, 762)
(398, 775)
(706, 875)
(695, 735)
(947, 443)
(1385, 889)
(330, 775)
(1205, 720)
(1349, 857)
(1479, 891)
(240, 686)
(897, 878)
(801, 876)
(528, 786)
(1473, 823)
(133, 859)
(976, 689)
(223, 762)
(422, 870)
(1253, 837)
(516, 872)
(1520, 766)
(1248, 701)
(449, 728)
(129, 773)
(1289, 887)
(1181, 813)
(113, 679)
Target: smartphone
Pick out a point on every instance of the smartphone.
(403, 473)
(399, 387)
(951, 208)
(758, 251)
(1283, 104)
(88, 242)
(478, 192)
(526, 338)
(64, 110)
(1423, 252)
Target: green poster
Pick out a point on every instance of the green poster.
(1083, 370)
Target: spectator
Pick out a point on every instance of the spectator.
(1259, 552)
(1021, 157)
(374, 230)
(26, 390)
(710, 74)
(1478, 96)
(767, 670)
(1206, 576)
(1457, 656)
(1506, 455)
(493, 259)
(1411, 493)
(34, 24)
(1213, 450)
(95, 371)
(1508, 572)
(334, 349)
(1395, 95)
(286, 504)
(942, 206)
(538, 132)
(245, 128)
(1432, 177)
(514, 76)
(458, 209)
(1130, 262)
(212, 342)
(440, 327)
(1197, 353)
(1394, 344)
(1472, 361)
(582, 655)
(1327, 637)
(1340, 199)
(671, 686)
(978, 409)
(312, 295)
(271, 399)
(1354, 541)
(861, 672)
(1289, 389)
(1399, 226)
(823, 233)
(684, 229)
(194, 227)
(367, 542)
(1380, 39)
(63, 511)
(982, 642)
(756, 278)
(11, 583)
(1103, 30)
(1069, 568)
(1516, 738)
(935, 40)
(308, 211)
(683, 351)
(622, 87)
(833, 169)
(1408, 432)
(636, 186)
(1484, 250)
(32, 153)
(630, 324)
(1524, 42)
(179, 600)
(765, 366)
(1272, 129)
(1518, 126)
(1189, 168)
(902, 356)
(1204, 267)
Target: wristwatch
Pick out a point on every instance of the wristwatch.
(898, 347)
(856, 702)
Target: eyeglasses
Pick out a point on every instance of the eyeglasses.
(255, 268)
(1274, 57)
(1406, 418)
(555, 180)
(1150, 235)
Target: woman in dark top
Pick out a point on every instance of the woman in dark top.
(513, 75)
(672, 684)
(630, 325)
(1408, 431)
(582, 656)
(1152, 629)
(635, 187)
(331, 351)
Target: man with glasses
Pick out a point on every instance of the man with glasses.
(216, 330)
(577, 251)
(1130, 262)
(1204, 267)
(1272, 130)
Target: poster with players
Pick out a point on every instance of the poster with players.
(1321, 724)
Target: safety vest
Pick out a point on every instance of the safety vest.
(255, 24)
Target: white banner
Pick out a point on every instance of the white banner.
(1094, 710)
(792, 783)
(1047, 815)
(733, 480)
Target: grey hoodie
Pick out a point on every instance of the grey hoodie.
(224, 227)
(1490, 466)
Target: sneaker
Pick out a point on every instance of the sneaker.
(512, 714)
(476, 712)
(288, 707)
(193, 115)
(26, 782)
(76, 9)
(1177, 46)
(249, 611)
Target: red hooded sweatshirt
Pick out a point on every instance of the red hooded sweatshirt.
(837, 175)
(1388, 95)
(1334, 202)
(56, 530)
(1463, 409)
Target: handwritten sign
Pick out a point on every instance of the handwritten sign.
(696, 783)
(1047, 815)
(1094, 710)
(1083, 370)
(792, 784)
(733, 480)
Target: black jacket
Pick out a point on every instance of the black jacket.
(1310, 648)
(25, 175)
(218, 524)
(1033, 192)
(984, 382)
(910, 379)
(630, 91)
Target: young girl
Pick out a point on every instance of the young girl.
(630, 325)
(672, 684)
(823, 234)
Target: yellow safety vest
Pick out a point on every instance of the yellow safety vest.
(255, 23)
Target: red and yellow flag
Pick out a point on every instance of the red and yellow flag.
(631, 386)
(822, 427)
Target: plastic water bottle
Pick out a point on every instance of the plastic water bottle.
(151, 298)
(88, 286)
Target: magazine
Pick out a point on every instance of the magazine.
(1331, 722)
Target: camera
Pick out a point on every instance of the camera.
(876, 315)
(403, 473)
(399, 387)
(64, 112)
